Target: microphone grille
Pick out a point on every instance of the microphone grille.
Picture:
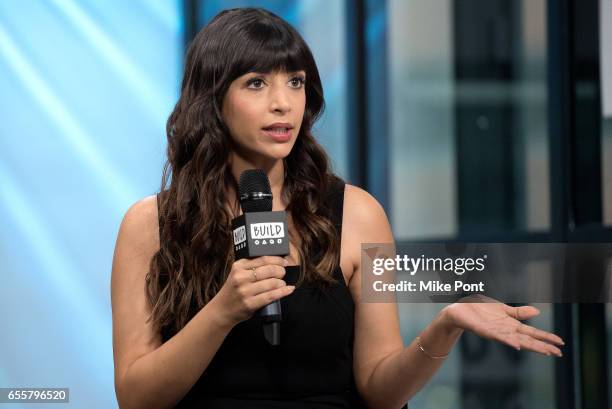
(255, 192)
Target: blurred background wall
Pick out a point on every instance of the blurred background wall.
(469, 120)
(85, 90)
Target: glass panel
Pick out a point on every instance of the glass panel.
(469, 147)
(421, 93)
(469, 154)
(609, 325)
(321, 24)
(605, 42)
(606, 164)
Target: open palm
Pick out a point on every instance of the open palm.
(494, 320)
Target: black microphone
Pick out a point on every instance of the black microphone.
(261, 232)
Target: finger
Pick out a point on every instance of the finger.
(535, 345)
(262, 286)
(265, 272)
(505, 337)
(523, 312)
(268, 297)
(540, 334)
(262, 261)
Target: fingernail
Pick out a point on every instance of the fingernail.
(560, 354)
(562, 343)
(291, 287)
(285, 262)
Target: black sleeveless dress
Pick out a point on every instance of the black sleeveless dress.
(313, 365)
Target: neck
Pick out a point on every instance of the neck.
(275, 170)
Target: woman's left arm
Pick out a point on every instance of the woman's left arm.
(387, 374)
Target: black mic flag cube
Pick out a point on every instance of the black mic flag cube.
(260, 234)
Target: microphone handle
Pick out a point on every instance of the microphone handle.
(271, 315)
(271, 312)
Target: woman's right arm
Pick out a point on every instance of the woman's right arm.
(149, 374)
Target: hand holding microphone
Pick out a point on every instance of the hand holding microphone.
(251, 285)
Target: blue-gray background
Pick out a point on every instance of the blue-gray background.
(85, 90)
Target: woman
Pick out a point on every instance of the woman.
(184, 329)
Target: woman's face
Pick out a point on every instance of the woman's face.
(264, 113)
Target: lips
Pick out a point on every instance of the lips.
(279, 134)
(277, 130)
(278, 126)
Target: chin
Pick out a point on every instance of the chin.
(279, 154)
(280, 151)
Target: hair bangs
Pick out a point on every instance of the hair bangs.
(271, 50)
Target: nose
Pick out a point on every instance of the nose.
(279, 100)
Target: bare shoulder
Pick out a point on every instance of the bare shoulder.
(140, 225)
(364, 217)
(361, 206)
(364, 221)
(137, 242)
(145, 206)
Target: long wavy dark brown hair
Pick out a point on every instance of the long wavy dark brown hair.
(196, 248)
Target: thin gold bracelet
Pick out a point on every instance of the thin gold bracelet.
(418, 341)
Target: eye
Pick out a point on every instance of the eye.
(297, 82)
(255, 83)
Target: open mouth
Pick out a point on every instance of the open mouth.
(278, 134)
(278, 127)
(277, 130)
